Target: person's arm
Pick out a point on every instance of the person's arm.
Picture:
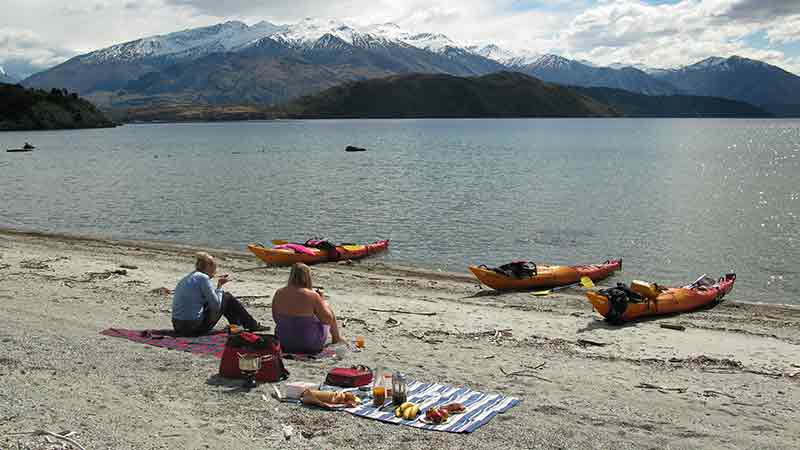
(213, 297)
(325, 315)
(277, 304)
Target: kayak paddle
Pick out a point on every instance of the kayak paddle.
(585, 282)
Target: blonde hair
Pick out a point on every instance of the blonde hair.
(300, 276)
(204, 261)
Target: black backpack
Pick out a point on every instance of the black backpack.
(618, 298)
(517, 269)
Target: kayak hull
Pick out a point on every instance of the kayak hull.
(286, 257)
(546, 276)
(669, 301)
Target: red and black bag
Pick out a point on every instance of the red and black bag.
(264, 345)
(349, 376)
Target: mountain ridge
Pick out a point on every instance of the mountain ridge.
(737, 78)
(324, 53)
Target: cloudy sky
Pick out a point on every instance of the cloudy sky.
(36, 34)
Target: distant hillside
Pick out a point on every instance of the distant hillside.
(742, 79)
(33, 109)
(195, 113)
(637, 105)
(503, 94)
(555, 69)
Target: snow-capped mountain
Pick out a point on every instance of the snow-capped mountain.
(235, 62)
(557, 69)
(738, 78)
(620, 65)
(192, 43)
(352, 51)
(504, 56)
(314, 33)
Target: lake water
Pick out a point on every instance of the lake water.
(674, 198)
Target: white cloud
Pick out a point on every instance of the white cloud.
(670, 35)
(785, 31)
(24, 52)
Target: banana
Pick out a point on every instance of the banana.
(398, 412)
(411, 412)
(405, 405)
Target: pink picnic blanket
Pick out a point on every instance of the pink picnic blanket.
(209, 344)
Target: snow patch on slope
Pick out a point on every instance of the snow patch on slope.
(195, 42)
(504, 56)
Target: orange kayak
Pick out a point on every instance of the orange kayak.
(643, 299)
(287, 257)
(542, 276)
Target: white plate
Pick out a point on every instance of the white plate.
(425, 420)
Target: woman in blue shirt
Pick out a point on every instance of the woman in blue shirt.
(197, 306)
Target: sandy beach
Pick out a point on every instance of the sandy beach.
(728, 381)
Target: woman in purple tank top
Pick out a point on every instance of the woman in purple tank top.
(303, 319)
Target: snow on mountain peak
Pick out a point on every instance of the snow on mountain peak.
(316, 33)
(307, 33)
(719, 64)
(504, 56)
(195, 41)
(2, 71)
(714, 61)
(550, 61)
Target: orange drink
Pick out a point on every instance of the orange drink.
(378, 396)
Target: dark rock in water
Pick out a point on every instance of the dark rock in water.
(351, 148)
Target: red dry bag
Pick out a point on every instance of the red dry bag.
(264, 345)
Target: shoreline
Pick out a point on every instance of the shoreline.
(688, 116)
(729, 380)
(366, 264)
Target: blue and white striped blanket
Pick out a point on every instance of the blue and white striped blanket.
(480, 407)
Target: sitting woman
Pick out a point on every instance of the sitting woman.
(302, 317)
(197, 306)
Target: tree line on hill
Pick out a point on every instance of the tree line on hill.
(37, 109)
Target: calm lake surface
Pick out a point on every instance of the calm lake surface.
(674, 198)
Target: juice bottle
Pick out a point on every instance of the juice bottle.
(378, 389)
